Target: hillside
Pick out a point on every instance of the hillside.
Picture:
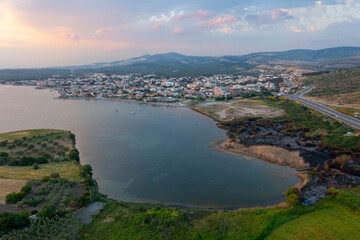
(337, 87)
(176, 65)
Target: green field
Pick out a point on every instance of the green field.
(69, 170)
(11, 136)
(331, 218)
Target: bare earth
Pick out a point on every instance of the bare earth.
(8, 186)
(235, 109)
(345, 100)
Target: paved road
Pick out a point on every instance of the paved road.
(328, 111)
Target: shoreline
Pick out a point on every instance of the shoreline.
(176, 104)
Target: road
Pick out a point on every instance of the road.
(328, 111)
(304, 91)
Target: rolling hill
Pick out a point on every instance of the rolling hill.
(337, 87)
(175, 64)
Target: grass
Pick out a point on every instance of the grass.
(11, 136)
(331, 220)
(8, 186)
(69, 170)
(141, 221)
(348, 111)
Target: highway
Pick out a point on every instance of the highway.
(328, 111)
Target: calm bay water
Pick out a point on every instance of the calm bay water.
(158, 155)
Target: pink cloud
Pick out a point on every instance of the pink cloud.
(156, 26)
(104, 30)
(220, 21)
(201, 15)
(177, 30)
(182, 16)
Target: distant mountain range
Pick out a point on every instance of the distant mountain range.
(175, 64)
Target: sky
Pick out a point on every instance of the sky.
(44, 33)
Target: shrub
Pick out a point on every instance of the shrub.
(88, 169)
(26, 189)
(14, 162)
(26, 161)
(35, 166)
(46, 155)
(4, 143)
(14, 197)
(292, 199)
(10, 221)
(72, 136)
(54, 176)
(47, 211)
(58, 158)
(41, 160)
(74, 155)
(4, 155)
(2, 160)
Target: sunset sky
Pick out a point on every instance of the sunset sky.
(39, 33)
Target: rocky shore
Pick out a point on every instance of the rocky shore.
(320, 167)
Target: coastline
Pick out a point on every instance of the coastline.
(177, 104)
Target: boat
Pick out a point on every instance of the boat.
(132, 113)
(116, 110)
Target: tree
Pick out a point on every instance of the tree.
(47, 211)
(74, 155)
(292, 199)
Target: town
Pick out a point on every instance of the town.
(150, 88)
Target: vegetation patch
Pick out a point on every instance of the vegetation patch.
(8, 186)
(68, 170)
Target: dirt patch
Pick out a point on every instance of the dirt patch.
(230, 110)
(345, 99)
(8, 186)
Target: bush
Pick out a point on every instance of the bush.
(26, 161)
(16, 197)
(46, 155)
(35, 166)
(54, 176)
(41, 160)
(88, 169)
(72, 136)
(10, 221)
(57, 228)
(4, 155)
(74, 155)
(26, 189)
(2, 160)
(292, 199)
(58, 158)
(47, 211)
(14, 162)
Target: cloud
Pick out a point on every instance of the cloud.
(177, 30)
(272, 17)
(117, 45)
(219, 21)
(105, 30)
(65, 33)
(156, 26)
(201, 15)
